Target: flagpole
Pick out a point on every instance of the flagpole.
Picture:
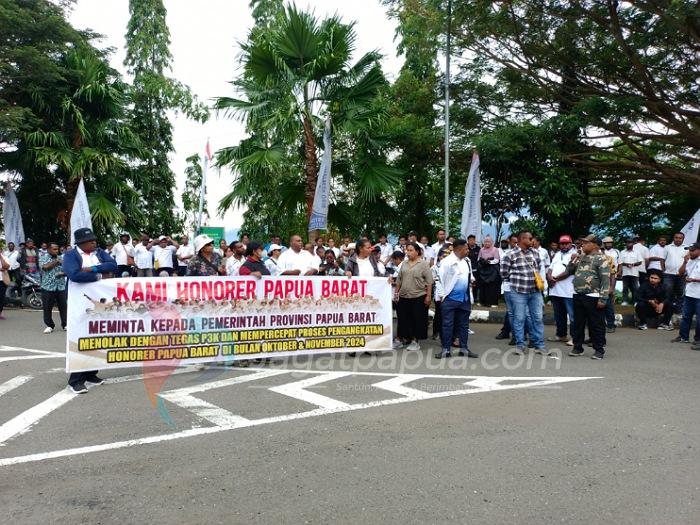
(203, 189)
(447, 120)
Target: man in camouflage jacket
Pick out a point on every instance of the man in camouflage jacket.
(591, 294)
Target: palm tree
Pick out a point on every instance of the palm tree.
(90, 141)
(297, 70)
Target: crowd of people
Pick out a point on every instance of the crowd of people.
(449, 275)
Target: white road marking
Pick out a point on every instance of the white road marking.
(296, 390)
(36, 354)
(13, 383)
(23, 422)
(214, 414)
(482, 384)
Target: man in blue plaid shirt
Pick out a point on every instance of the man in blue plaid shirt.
(518, 268)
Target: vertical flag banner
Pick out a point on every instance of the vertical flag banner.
(319, 212)
(203, 189)
(80, 216)
(692, 228)
(471, 212)
(11, 218)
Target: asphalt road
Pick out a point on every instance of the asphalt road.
(586, 442)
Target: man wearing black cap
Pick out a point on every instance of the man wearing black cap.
(86, 263)
(591, 286)
(123, 254)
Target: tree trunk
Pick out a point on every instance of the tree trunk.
(311, 170)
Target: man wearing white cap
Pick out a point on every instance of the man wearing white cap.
(163, 254)
(272, 262)
(206, 262)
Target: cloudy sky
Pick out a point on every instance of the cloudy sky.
(204, 43)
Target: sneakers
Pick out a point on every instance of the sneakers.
(556, 339)
(597, 356)
(471, 332)
(398, 345)
(440, 355)
(413, 346)
(679, 339)
(519, 350)
(468, 353)
(502, 335)
(570, 342)
(48, 330)
(624, 304)
(78, 388)
(511, 342)
(642, 327)
(94, 380)
(542, 351)
(576, 352)
(610, 330)
(663, 326)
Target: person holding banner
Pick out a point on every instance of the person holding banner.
(414, 292)
(86, 263)
(206, 261)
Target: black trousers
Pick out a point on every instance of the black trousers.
(81, 377)
(3, 289)
(124, 268)
(676, 285)
(645, 311)
(412, 317)
(51, 299)
(437, 319)
(586, 312)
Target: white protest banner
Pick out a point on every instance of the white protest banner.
(691, 229)
(114, 323)
(471, 211)
(80, 216)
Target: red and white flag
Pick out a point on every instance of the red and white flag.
(208, 151)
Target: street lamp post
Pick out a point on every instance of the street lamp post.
(447, 119)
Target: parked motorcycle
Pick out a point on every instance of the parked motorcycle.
(27, 293)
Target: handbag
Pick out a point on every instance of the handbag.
(539, 282)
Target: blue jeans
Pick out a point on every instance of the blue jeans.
(610, 312)
(455, 315)
(563, 307)
(528, 305)
(691, 306)
(507, 297)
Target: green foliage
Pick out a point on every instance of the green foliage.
(191, 195)
(298, 71)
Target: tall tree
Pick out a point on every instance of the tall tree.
(153, 94)
(297, 70)
(191, 195)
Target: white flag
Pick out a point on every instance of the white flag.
(471, 212)
(11, 218)
(80, 216)
(691, 229)
(319, 212)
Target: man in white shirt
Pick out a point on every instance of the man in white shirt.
(296, 260)
(184, 253)
(610, 250)
(331, 246)
(143, 258)
(234, 263)
(123, 254)
(385, 250)
(11, 255)
(163, 255)
(428, 253)
(456, 278)
(561, 290)
(690, 271)
(675, 254)
(643, 251)
(545, 260)
(401, 247)
(657, 256)
(437, 246)
(628, 271)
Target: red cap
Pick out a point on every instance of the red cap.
(564, 238)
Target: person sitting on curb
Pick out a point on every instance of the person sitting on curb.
(653, 300)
